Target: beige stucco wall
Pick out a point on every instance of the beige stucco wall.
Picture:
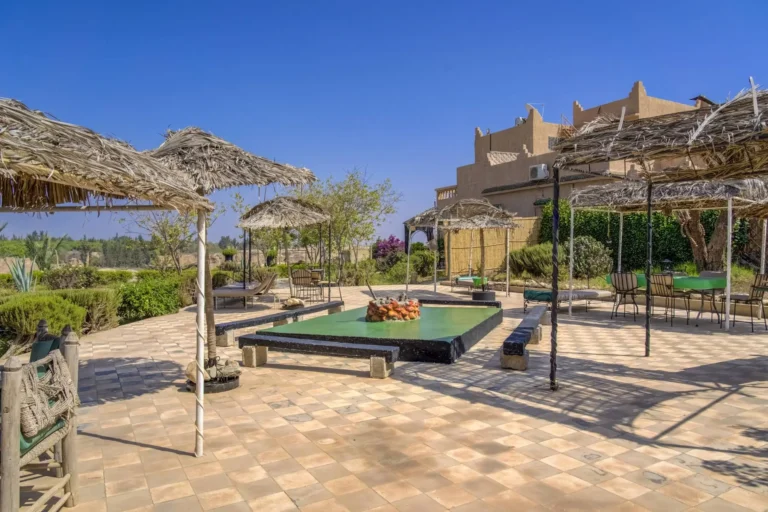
(528, 144)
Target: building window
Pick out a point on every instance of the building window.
(552, 142)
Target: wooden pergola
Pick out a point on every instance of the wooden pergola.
(725, 141)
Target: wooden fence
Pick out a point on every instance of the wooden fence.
(458, 246)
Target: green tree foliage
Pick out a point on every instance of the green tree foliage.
(126, 252)
(668, 241)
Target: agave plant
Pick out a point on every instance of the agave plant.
(22, 278)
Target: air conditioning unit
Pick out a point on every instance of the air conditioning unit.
(538, 172)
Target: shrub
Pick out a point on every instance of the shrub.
(535, 260)
(231, 266)
(100, 304)
(149, 274)
(23, 279)
(418, 247)
(149, 298)
(396, 274)
(69, 277)
(388, 252)
(220, 279)
(20, 314)
(229, 252)
(422, 263)
(107, 277)
(590, 257)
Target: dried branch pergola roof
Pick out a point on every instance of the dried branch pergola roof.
(724, 141)
(464, 214)
(283, 212)
(216, 164)
(631, 196)
(46, 163)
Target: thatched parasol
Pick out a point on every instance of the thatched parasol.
(286, 212)
(724, 141)
(45, 163)
(213, 163)
(472, 214)
(283, 212)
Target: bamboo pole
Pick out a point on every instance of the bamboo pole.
(408, 261)
(507, 259)
(762, 246)
(621, 237)
(69, 443)
(471, 243)
(437, 256)
(199, 360)
(10, 451)
(728, 257)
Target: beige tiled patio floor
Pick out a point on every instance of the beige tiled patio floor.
(684, 429)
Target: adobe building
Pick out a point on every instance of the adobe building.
(512, 167)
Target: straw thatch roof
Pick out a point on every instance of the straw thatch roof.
(45, 163)
(464, 214)
(214, 163)
(626, 196)
(724, 141)
(283, 212)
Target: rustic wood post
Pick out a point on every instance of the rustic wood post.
(71, 351)
(10, 450)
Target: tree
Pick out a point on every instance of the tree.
(226, 242)
(708, 255)
(357, 207)
(171, 233)
(42, 249)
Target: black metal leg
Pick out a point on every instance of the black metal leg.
(636, 310)
(751, 320)
(765, 322)
(687, 303)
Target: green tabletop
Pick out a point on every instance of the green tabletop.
(687, 282)
(475, 280)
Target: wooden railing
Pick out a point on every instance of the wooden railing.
(446, 193)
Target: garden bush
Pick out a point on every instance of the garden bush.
(108, 277)
(397, 273)
(150, 274)
(68, 277)
(388, 252)
(590, 258)
(20, 314)
(100, 304)
(535, 260)
(220, 278)
(422, 263)
(149, 298)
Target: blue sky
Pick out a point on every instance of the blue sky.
(395, 88)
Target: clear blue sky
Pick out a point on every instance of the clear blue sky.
(396, 88)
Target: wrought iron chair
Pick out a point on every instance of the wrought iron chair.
(303, 283)
(754, 297)
(663, 285)
(625, 285)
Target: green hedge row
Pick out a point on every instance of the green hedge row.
(73, 278)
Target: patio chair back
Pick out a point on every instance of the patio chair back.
(301, 277)
(266, 284)
(662, 285)
(316, 276)
(624, 281)
(757, 290)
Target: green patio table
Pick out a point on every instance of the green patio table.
(693, 283)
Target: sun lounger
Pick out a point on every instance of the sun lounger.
(235, 292)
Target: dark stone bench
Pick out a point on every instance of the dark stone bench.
(255, 348)
(225, 332)
(460, 302)
(514, 354)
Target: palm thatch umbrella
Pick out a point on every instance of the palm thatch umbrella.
(286, 212)
(50, 166)
(213, 164)
(472, 214)
(725, 141)
(632, 197)
(47, 165)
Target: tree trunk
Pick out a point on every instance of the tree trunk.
(707, 256)
(210, 322)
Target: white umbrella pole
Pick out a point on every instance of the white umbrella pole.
(728, 265)
(570, 268)
(507, 258)
(621, 236)
(437, 256)
(200, 408)
(408, 262)
(762, 247)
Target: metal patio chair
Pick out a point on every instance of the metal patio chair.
(754, 297)
(663, 285)
(625, 285)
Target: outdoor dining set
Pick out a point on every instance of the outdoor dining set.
(708, 287)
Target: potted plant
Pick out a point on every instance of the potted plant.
(229, 253)
(271, 257)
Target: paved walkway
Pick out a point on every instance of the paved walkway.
(686, 429)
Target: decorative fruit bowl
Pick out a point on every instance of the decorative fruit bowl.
(391, 310)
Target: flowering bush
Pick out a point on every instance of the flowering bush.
(383, 248)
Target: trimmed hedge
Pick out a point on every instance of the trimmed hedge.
(535, 260)
(20, 314)
(100, 304)
(149, 298)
